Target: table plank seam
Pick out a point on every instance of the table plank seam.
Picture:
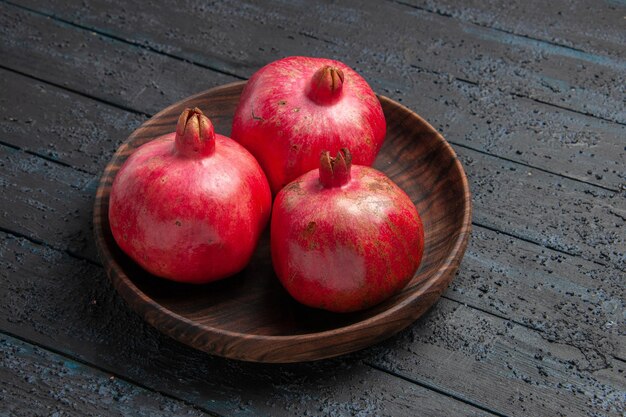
(527, 326)
(77, 92)
(107, 371)
(445, 295)
(47, 245)
(120, 39)
(508, 32)
(317, 38)
(486, 226)
(540, 101)
(46, 157)
(519, 95)
(527, 165)
(548, 104)
(452, 142)
(230, 73)
(141, 385)
(474, 222)
(437, 389)
(547, 246)
(466, 355)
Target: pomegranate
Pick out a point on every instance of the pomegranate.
(190, 205)
(294, 108)
(345, 238)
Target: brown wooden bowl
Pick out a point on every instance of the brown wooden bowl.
(250, 316)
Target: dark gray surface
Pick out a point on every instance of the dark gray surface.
(487, 117)
(36, 382)
(239, 36)
(53, 299)
(595, 27)
(534, 322)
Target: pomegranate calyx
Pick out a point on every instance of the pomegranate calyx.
(335, 172)
(326, 85)
(195, 135)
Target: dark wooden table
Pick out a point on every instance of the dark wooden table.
(530, 95)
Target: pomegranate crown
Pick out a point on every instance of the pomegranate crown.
(326, 85)
(195, 135)
(335, 172)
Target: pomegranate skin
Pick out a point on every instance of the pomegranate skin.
(345, 248)
(188, 208)
(294, 108)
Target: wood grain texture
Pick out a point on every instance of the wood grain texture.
(524, 373)
(37, 382)
(492, 59)
(355, 32)
(54, 204)
(486, 117)
(46, 201)
(459, 348)
(56, 300)
(566, 215)
(536, 137)
(596, 27)
(569, 300)
(567, 306)
(502, 276)
(250, 316)
(63, 126)
(93, 65)
(507, 197)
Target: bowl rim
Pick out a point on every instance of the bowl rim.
(448, 266)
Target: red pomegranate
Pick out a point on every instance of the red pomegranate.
(190, 205)
(344, 238)
(294, 108)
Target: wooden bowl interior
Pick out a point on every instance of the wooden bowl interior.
(253, 303)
